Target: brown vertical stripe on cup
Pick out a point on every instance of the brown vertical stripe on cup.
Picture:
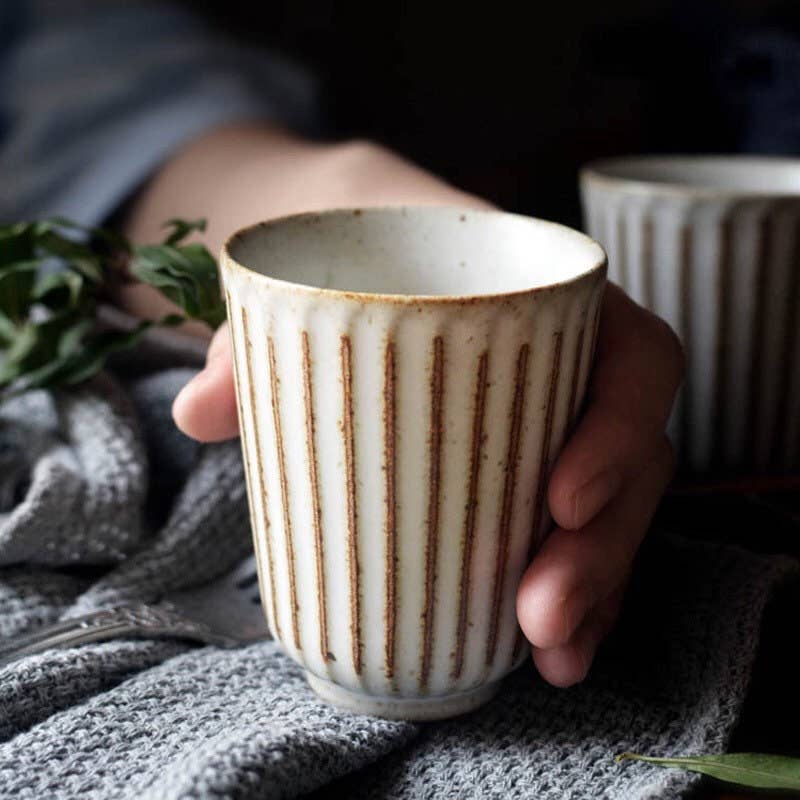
(470, 513)
(507, 500)
(262, 484)
(390, 466)
(544, 464)
(354, 567)
(270, 609)
(576, 376)
(434, 500)
(287, 515)
(316, 516)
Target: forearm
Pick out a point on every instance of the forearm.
(240, 175)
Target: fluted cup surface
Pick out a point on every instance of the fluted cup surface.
(405, 379)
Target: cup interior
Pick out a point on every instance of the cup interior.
(734, 174)
(424, 251)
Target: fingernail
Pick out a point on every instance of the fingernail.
(564, 666)
(554, 624)
(594, 495)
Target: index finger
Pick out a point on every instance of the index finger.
(638, 369)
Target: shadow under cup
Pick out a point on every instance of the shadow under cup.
(712, 245)
(406, 378)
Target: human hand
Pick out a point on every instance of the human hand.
(240, 175)
(613, 471)
(604, 490)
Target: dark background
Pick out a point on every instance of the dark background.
(507, 100)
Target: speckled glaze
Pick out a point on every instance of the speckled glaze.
(712, 245)
(397, 438)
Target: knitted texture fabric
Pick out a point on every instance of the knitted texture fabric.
(102, 501)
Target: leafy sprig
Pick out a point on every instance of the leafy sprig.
(755, 770)
(54, 277)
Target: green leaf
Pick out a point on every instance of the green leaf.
(186, 275)
(97, 352)
(23, 344)
(48, 322)
(755, 770)
(57, 289)
(16, 243)
(8, 330)
(17, 280)
(38, 343)
(77, 255)
(181, 228)
(80, 358)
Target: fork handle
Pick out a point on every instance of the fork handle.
(140, 621)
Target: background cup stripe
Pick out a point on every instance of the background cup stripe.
(780, 441)
(648, 278)
(685, 279)
(622, 263)
(720, 407)
(759, 289)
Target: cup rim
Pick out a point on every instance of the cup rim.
(601, 171)
(227, 261)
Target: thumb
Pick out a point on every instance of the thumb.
(205, 408)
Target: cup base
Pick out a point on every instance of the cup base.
(416, 708)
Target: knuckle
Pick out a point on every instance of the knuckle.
(358, 150)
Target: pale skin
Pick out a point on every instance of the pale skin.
(608, 481)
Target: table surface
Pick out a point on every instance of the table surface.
(763, 517)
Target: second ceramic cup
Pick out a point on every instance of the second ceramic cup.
(712, 244)
(406, 378)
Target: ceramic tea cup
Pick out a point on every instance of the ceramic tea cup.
(405, 377)
(712, 244)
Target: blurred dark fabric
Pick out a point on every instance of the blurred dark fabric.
(509, 102)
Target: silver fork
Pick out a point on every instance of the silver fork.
(226, 612)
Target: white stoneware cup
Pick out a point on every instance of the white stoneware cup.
(712, 244)
(405, 377)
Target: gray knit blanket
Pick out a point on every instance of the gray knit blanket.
(103, 501)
